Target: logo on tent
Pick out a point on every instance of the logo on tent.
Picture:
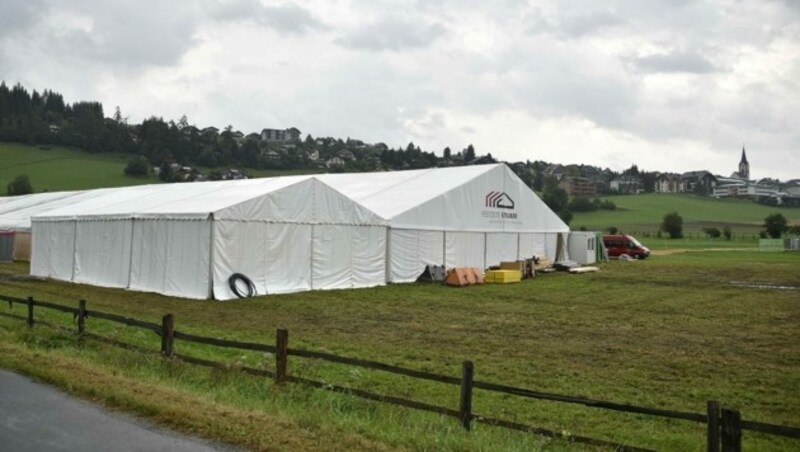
(499, 200)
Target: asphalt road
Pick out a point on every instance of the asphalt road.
(37, 417)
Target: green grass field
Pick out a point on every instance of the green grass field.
(55, 168)
(643, 213)
(669, 332)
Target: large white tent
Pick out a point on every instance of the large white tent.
(475, 216)
(286, 234)
(293, 233)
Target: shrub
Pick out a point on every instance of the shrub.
(726, 231)
(612, 230)
(21, 185)
(137, 166)
(581, 205)
(712, 232)
(775, 225)
(673, 225)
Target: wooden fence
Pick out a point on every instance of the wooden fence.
(724, 425)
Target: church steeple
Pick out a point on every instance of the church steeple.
(744, 166)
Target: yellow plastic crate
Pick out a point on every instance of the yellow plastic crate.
(503, 276)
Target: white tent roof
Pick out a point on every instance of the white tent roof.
(296, 199)
(16, 211)
(449, 199)
(435, 199)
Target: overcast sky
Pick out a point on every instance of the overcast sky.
(670, 85)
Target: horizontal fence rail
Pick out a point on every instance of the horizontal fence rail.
(724, 426)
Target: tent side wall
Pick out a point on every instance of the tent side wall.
(305, 236)
(102, 252)
(171, 257)
(53, 249)
(22, 246)
(490, 218)
(291, 257)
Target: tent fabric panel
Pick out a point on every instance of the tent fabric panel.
(288, 203)
(288, 258)
(550, 245)
(411, 250)
(22, 246)
(239, 247)
(494, 200)
(335, 207)
(464, 249)
(53, 249)
(332, 258)
(171, 257)
(369, 255)
(500, 247)
(103, 252)
(275, 256)
(532, 245)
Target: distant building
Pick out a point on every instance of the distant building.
(346, 155)
(334, 161)
(698, 181)
(272, 155)
(669, 183)
(626, 184)
(744, 168)
(210, 131)
(578, 186)
(280, 136)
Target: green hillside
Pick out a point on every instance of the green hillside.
(54, 168)
(644, 213)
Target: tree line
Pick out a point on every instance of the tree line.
(45, 118)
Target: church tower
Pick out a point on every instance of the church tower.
(744, 167)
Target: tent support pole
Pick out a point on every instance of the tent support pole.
(130, 257)
(211, 256)
(485, 249)
(444, 249)
(311, 267)
(388, 267)
(74, 248)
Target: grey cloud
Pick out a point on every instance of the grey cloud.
(19, 15)
(392, 33)
(285, 19)
(677, 61)
(573, 24)
(128, 35)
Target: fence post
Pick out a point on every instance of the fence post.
(30, 312)
(167, 335)
(281, 355)
(81, 316)
(731, 431)
(713, 426)
(465, 405)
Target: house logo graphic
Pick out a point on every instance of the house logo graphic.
(499, 200)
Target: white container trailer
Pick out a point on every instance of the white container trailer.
(582, 247)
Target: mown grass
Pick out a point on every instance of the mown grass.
(56, 168)
(669, 332)
(639, 213)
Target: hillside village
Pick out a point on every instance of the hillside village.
(284, 148)
(181, 152)
(593, 181)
